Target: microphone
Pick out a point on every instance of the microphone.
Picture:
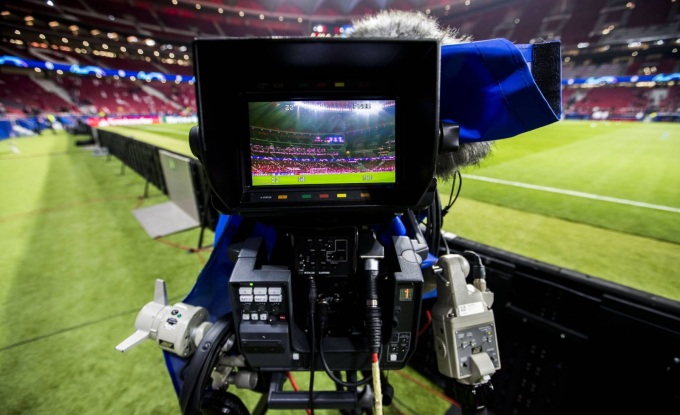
(416, 25)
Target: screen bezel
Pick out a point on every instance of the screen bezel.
(268, 197)
(312, 69)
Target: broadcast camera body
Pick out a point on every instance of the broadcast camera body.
(327, 155)
(340, 107)
(322, 155)
(317, 140)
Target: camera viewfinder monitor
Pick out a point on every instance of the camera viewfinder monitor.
(322, 143)
(317, 127)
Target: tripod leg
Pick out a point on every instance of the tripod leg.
(262, 406)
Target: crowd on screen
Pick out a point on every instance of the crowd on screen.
(268, 167)
(262, 150)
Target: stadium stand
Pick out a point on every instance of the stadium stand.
(618, 102)
(22, 94)
(595, 35)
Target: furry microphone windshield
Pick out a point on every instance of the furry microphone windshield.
(416, 25)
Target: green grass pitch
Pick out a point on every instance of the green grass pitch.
(603, 198)
(321, 179)
(600, 198)
(605, 201)
(619, 176)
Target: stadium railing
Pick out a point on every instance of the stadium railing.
(144, 159)
(570, 342)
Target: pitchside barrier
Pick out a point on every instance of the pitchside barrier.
(138, 155)
(569, 343)
(179, 177)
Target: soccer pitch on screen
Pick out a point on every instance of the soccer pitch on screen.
(602, 198)
(324, 178)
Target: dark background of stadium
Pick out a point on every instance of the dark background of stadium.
(598, 37)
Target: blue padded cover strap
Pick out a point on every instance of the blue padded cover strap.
(488, 89)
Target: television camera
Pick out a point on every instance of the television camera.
(321, 156)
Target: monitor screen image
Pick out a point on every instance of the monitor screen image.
(331, 142)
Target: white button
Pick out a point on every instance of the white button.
(393, 357)
(246, 298)
(260, 298)
(246, 316)
(245, 290)
(263, 316)
(260, 290)
(275, 290)
(253, 316)
(274, 298)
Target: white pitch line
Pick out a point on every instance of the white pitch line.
(573, 193)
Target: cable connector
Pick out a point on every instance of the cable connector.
(324, 311)
(477, 270)
(312, 293)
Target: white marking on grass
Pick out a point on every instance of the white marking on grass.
(14, 149)
(166, 130)
(573, 193)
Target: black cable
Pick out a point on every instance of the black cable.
(336, 379)
(373, 320)
(442, 240)
(477, 269)
(433, 216)
(437, 226)
(428, 225)
(433, 225)
(445, 243)
(312, 312)
(456, 178)
(322, 326)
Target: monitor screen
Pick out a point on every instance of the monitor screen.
(319, 143)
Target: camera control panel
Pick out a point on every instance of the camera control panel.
(260, 298)
(317, 255)
(262, 304)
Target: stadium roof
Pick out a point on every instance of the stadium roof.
(163, 30)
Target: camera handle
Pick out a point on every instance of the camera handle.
(176, 328)
(464, 329)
